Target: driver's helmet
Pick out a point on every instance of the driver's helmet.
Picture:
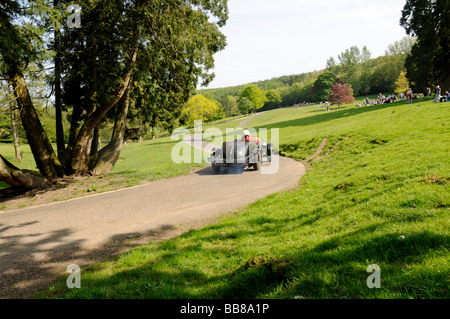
(245, 133)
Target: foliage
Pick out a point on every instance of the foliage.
(251, 98)
(246, 106)
(278, 83)
(22, 42)
(199, 108)
(351, 66)
(341, 94)
(401, 47)
(365, 75)
(230, 105)
(273, 98)
(332, 65)
(139, 56)
(429, 61)
(323, 85)
(385, 72)
(402, 83)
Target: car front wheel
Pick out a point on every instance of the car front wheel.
(257, 165)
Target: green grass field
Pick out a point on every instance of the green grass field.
(138, 162)
(146, 161)
(377, 194)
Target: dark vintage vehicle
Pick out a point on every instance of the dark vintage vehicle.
(240, 154)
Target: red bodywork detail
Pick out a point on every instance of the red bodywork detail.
(251, 139)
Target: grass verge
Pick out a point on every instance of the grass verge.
(377, 193)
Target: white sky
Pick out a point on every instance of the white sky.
(271, 38)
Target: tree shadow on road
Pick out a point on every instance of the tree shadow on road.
(28, 266)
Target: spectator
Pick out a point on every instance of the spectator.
(447, 96)
(438, 94)
(409, 96)
(428, 92)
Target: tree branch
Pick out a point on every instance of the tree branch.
(15, 177)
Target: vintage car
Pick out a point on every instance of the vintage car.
(240, 154)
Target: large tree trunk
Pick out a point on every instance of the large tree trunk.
(15, 177)
(14, 117)
(104, 161)
(60, 144)
(96, 140)
(76, 113)
(81, 151)
(44, 155)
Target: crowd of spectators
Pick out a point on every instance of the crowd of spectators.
(445, 97)
(409, 95)
(382, 99)
(439, 98)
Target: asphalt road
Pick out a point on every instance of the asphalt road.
(37, 244)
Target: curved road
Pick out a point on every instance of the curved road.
(38, 244)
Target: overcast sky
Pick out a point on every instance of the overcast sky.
(271, 38)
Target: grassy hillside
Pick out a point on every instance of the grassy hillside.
(378, 193)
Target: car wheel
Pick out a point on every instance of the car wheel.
(269, 150)
(257, 165)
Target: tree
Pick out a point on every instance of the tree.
(20, 46)
(255, 95)
(60, 143)
(199, 108)
(402, 83)
(134, 55)
(246, 106)
(341, 94)
(230, 105)
(332, 65)
(298, 92)
(429, 60)
(385, 72)
(7, 105)
(15, 131)
(322, 86)
(404, 46)
(365, 55)
(273, 98)
(351, 61)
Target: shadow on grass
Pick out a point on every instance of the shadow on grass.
(20, 192)
(124, 172)
(155, 143)
(176, 280)
(343, 257)
(347, 257)
(332, 115)
(29, 262)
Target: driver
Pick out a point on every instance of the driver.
(248, 138)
